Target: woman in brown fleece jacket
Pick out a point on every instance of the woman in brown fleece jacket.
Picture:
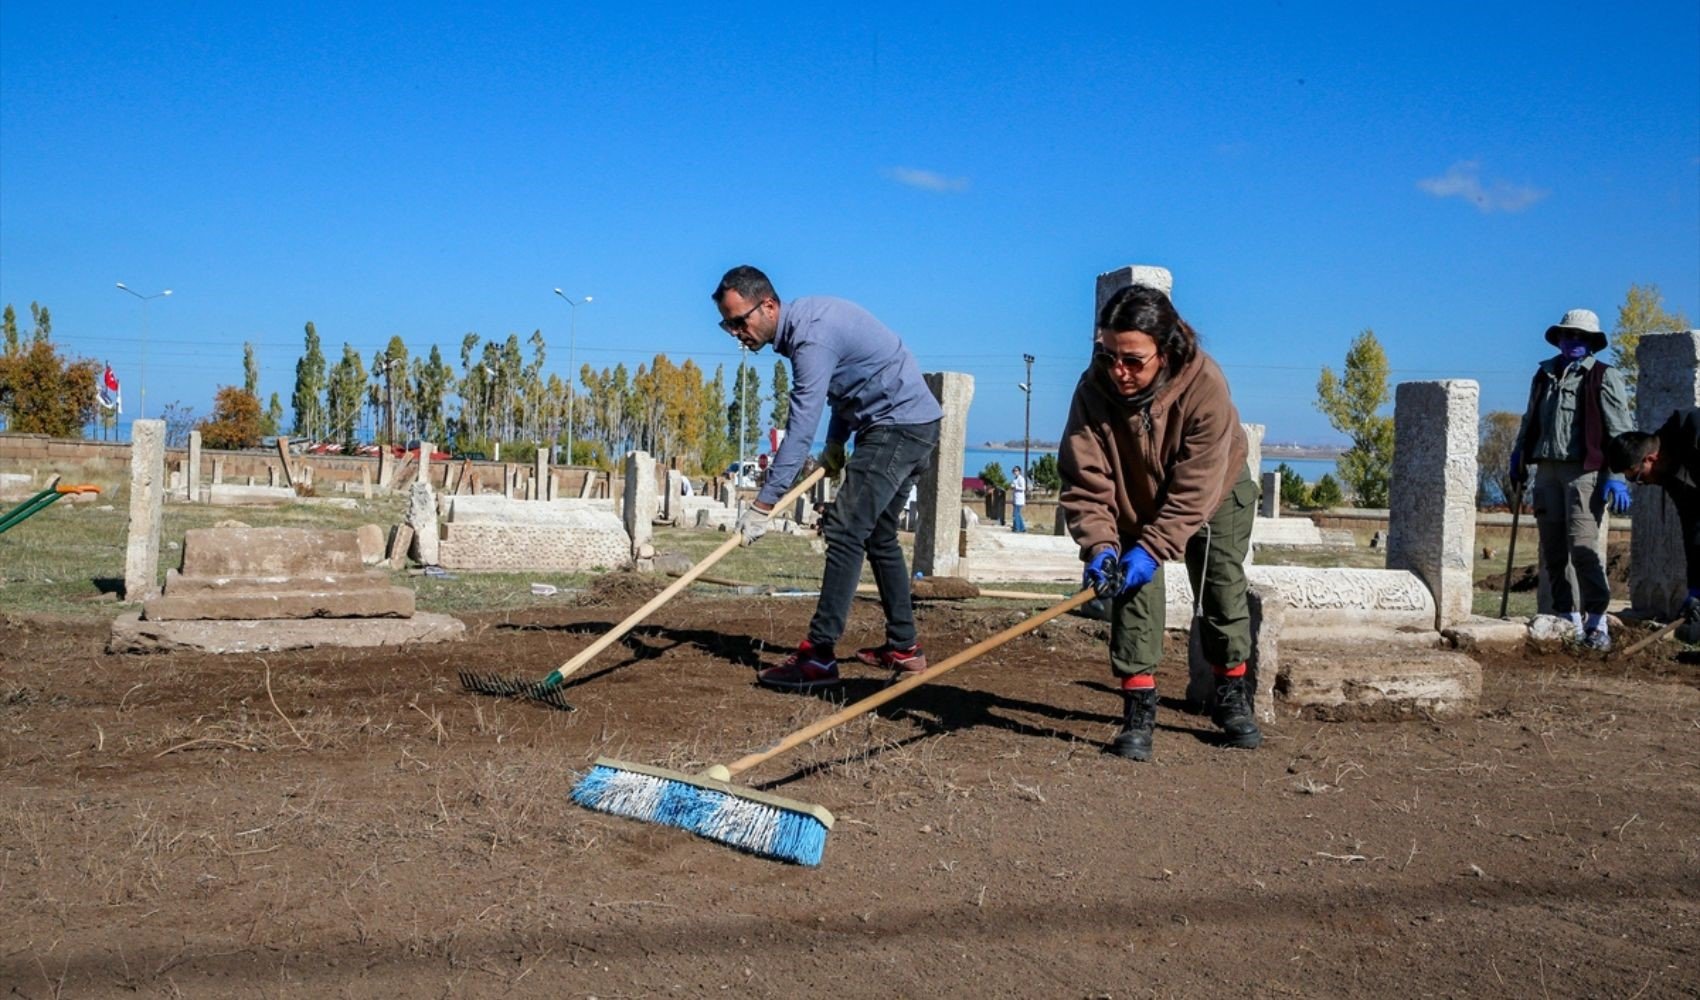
(1153, 464)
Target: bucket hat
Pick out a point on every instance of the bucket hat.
(1581, 321)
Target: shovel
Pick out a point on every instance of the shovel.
(1511, 549)
(548, 690)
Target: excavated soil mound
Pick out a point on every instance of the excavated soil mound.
(623, 587)
(942, 588)
(1526, 579)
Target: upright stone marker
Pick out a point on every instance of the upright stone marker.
(675, 512)
(1270, 504)
(386, 468)
(1669, 379)
(638, 510)
(938, 545)
(540, 475)
(424, 476)
(193, 485)
(422, 517)
(366, 481)
(147, 496)
(218, 471)
(1111, 282)
(1432, 514)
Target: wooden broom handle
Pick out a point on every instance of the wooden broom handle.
(908, 684)
(568, 668)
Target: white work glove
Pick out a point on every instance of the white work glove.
(833, 458)
(753, 523)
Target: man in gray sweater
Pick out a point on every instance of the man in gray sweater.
(844, 359)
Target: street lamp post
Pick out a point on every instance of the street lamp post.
(572, 363)
(1027, 421)
(142, 365)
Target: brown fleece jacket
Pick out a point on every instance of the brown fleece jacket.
(1152, 480)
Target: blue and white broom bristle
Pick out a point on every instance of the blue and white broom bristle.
(748, 820)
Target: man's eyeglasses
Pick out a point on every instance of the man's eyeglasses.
(738, 324)
(1131, 363)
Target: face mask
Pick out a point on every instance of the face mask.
(1572, 348)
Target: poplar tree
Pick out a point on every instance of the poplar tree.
(309, 385)
(1352, 404)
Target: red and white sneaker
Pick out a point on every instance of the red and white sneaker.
(899, 659)
(810, 667)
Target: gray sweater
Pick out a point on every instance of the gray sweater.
(843, 357)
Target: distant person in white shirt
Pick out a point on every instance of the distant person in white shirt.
(1018, 494)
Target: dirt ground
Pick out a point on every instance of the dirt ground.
(333, 824)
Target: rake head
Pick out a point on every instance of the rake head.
(498, 686)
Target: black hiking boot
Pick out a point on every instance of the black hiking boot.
(1139, 718)
(1232, 713)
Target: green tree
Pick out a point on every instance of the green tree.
(9, 343)
(992, 474)
(274, 417)
(309, 387)
(1294, 493)
(717, 450)
(743, 415)
(236, 420)
(1352, 403)
(43, 331)
(1493, 456)
(1326, 493)
(1642, 312)
(781, 394)
(250, 373)
(1045, 474)
(343, 398)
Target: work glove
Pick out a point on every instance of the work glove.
(833, 459)
(1101, 573)
(1519, 472)
(1616, 494)
(1136, 569)
(753, 523)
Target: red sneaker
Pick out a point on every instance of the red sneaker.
(808, 668)
(901, 659)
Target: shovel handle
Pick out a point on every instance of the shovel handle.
(908, 684)
(587, 654)
(1511, 548)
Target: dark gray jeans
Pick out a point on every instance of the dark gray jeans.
(1568, 508)
(862, 522)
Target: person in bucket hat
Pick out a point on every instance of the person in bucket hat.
(1577, 404)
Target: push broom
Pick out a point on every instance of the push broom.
(710, 806)
(548, 690)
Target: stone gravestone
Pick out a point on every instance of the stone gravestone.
(147, 496)
(938, 545)
(425, 450)
(1669, 379)
(192, 485)
(1111, 282)
(1254, 450)
(637, 511)
(1432, 496)
(540, 475)
(422, 516)
(675, 512)
(218, 471)
(1269, 505)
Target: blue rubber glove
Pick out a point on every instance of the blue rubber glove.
(1136, 569)
(1100, 572)
(1519, 474)
(1616, 493)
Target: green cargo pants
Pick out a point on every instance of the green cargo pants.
(1136, 619)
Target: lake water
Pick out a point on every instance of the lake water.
(975, 459)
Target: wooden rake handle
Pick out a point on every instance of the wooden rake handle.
(908, 684)
(570, 667)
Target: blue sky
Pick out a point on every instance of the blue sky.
(1454, 176)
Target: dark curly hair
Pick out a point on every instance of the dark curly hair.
(1148, 310)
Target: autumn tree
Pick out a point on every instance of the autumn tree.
(235, 422)
(1352, 404)
(1642, 312)
(42, 392)
(1493, 456)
